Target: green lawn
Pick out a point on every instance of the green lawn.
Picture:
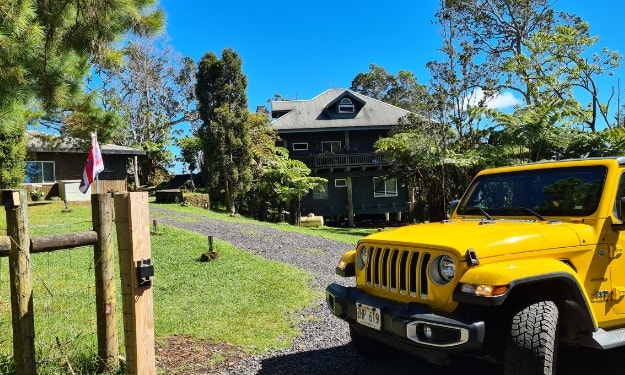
(240, 298)
(347, 235)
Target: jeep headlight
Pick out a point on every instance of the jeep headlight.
(361, 258)
(442, 269)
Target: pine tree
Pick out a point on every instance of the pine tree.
(46, 50)
(226, 144)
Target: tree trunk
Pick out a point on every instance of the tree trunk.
(135, 171)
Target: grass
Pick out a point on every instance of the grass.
(239, 298)
(347, 235)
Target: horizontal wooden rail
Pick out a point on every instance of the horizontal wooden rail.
(44, 244)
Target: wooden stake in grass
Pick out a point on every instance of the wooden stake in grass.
(16, 207)
(103, 255)
(211, 254)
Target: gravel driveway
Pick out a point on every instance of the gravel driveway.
(323, 346)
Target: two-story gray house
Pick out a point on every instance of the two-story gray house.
(334, 134)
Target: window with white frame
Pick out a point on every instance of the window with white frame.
(320, 191)
(346, 106)
(299, 146)
(340, 182)
(39, 172)
(384, 187)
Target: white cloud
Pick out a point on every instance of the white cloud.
(500, 101)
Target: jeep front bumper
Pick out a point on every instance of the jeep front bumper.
(408, 326)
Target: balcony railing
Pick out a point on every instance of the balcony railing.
(345, 160)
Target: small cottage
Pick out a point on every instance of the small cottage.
(55, 166)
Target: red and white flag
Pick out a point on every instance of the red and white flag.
(93, 167)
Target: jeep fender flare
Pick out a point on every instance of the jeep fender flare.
(528, 275)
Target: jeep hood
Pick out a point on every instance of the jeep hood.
(488, 238)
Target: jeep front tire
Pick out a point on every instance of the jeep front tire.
(532, 344)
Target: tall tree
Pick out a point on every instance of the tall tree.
(152, 91)
(46, 50)
(541, 53)
(403, 90)
(222, 105)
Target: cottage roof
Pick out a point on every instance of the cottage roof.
(45, 142)
(320, 113)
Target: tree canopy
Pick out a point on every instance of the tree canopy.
(46, 50)
(224, 132)
(151, 91)
(547, 58)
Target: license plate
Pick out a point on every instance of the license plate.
(368, 316)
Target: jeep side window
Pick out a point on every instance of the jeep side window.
(620, 193)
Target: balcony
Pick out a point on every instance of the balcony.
(345, 162)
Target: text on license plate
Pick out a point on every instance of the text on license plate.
(368, 316)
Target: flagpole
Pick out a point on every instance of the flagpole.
(97, 182)
(93, 167)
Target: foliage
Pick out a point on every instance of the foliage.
(542, 54)
(46, 50)
(191, 152)
(281, 184)
(430, 169)
(534, 132)
(36, 192)
(403, 90)
(152, 91)
(225, 135)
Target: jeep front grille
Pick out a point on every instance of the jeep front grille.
(397, 271)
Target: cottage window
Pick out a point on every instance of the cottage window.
(39, 172)
(302, 146)
(346, 106)
(384, 187)
(320, 191)
(340, 182)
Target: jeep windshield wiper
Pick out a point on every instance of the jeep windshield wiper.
(486, 215)
(527, 209)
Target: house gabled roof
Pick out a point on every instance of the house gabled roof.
(45, 142)
(320, 113)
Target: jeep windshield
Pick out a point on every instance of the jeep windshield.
(572, 191)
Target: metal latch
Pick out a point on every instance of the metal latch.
(617, 293)
(471, 257)
(145, 271)
(615, 251)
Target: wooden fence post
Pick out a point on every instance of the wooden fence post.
(16, 207)
(103, 257)
(133, 240)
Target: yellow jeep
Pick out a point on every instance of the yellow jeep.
(531, 257)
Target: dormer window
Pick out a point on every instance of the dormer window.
(346, 106)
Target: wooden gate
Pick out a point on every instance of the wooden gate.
(132, 224)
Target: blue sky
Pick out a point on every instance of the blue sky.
(299, 49)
